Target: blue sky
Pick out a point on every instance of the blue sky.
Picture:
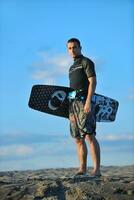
(33, 51)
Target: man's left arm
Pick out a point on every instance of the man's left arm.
(91, 90)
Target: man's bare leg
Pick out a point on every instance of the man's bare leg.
(82, 154)
(81, 149)
(95, 153)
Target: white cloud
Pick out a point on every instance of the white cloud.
(39, 74)
(113, 137)
(50, 67)
(15, 150)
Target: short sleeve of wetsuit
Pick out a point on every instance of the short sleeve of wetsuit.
(89, 68)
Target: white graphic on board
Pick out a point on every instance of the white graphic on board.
(105, 108)
(58, 96)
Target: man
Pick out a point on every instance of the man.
(82, 112)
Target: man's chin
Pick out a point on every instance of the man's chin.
(74, 56)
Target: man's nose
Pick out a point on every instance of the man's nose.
(72, 50)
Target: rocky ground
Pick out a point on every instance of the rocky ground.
(116, 183)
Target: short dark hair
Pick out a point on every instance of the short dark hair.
(74, 40)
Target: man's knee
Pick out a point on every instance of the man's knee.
(79, 141)
(90, 138)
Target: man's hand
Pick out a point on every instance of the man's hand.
(72, 118)
(87, 107)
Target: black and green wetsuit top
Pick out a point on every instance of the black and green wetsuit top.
(82, 69)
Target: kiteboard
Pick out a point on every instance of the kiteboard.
(54, 100)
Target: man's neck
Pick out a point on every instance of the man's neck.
(77, 57)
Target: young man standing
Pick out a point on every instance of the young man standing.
(82, 78)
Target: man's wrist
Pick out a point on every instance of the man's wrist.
(88, 100)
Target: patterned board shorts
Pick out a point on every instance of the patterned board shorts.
(80, 122)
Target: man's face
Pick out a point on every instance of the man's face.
(74, 49)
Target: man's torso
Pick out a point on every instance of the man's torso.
(79, 72)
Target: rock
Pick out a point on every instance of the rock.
(61, 184)
(130, 192)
